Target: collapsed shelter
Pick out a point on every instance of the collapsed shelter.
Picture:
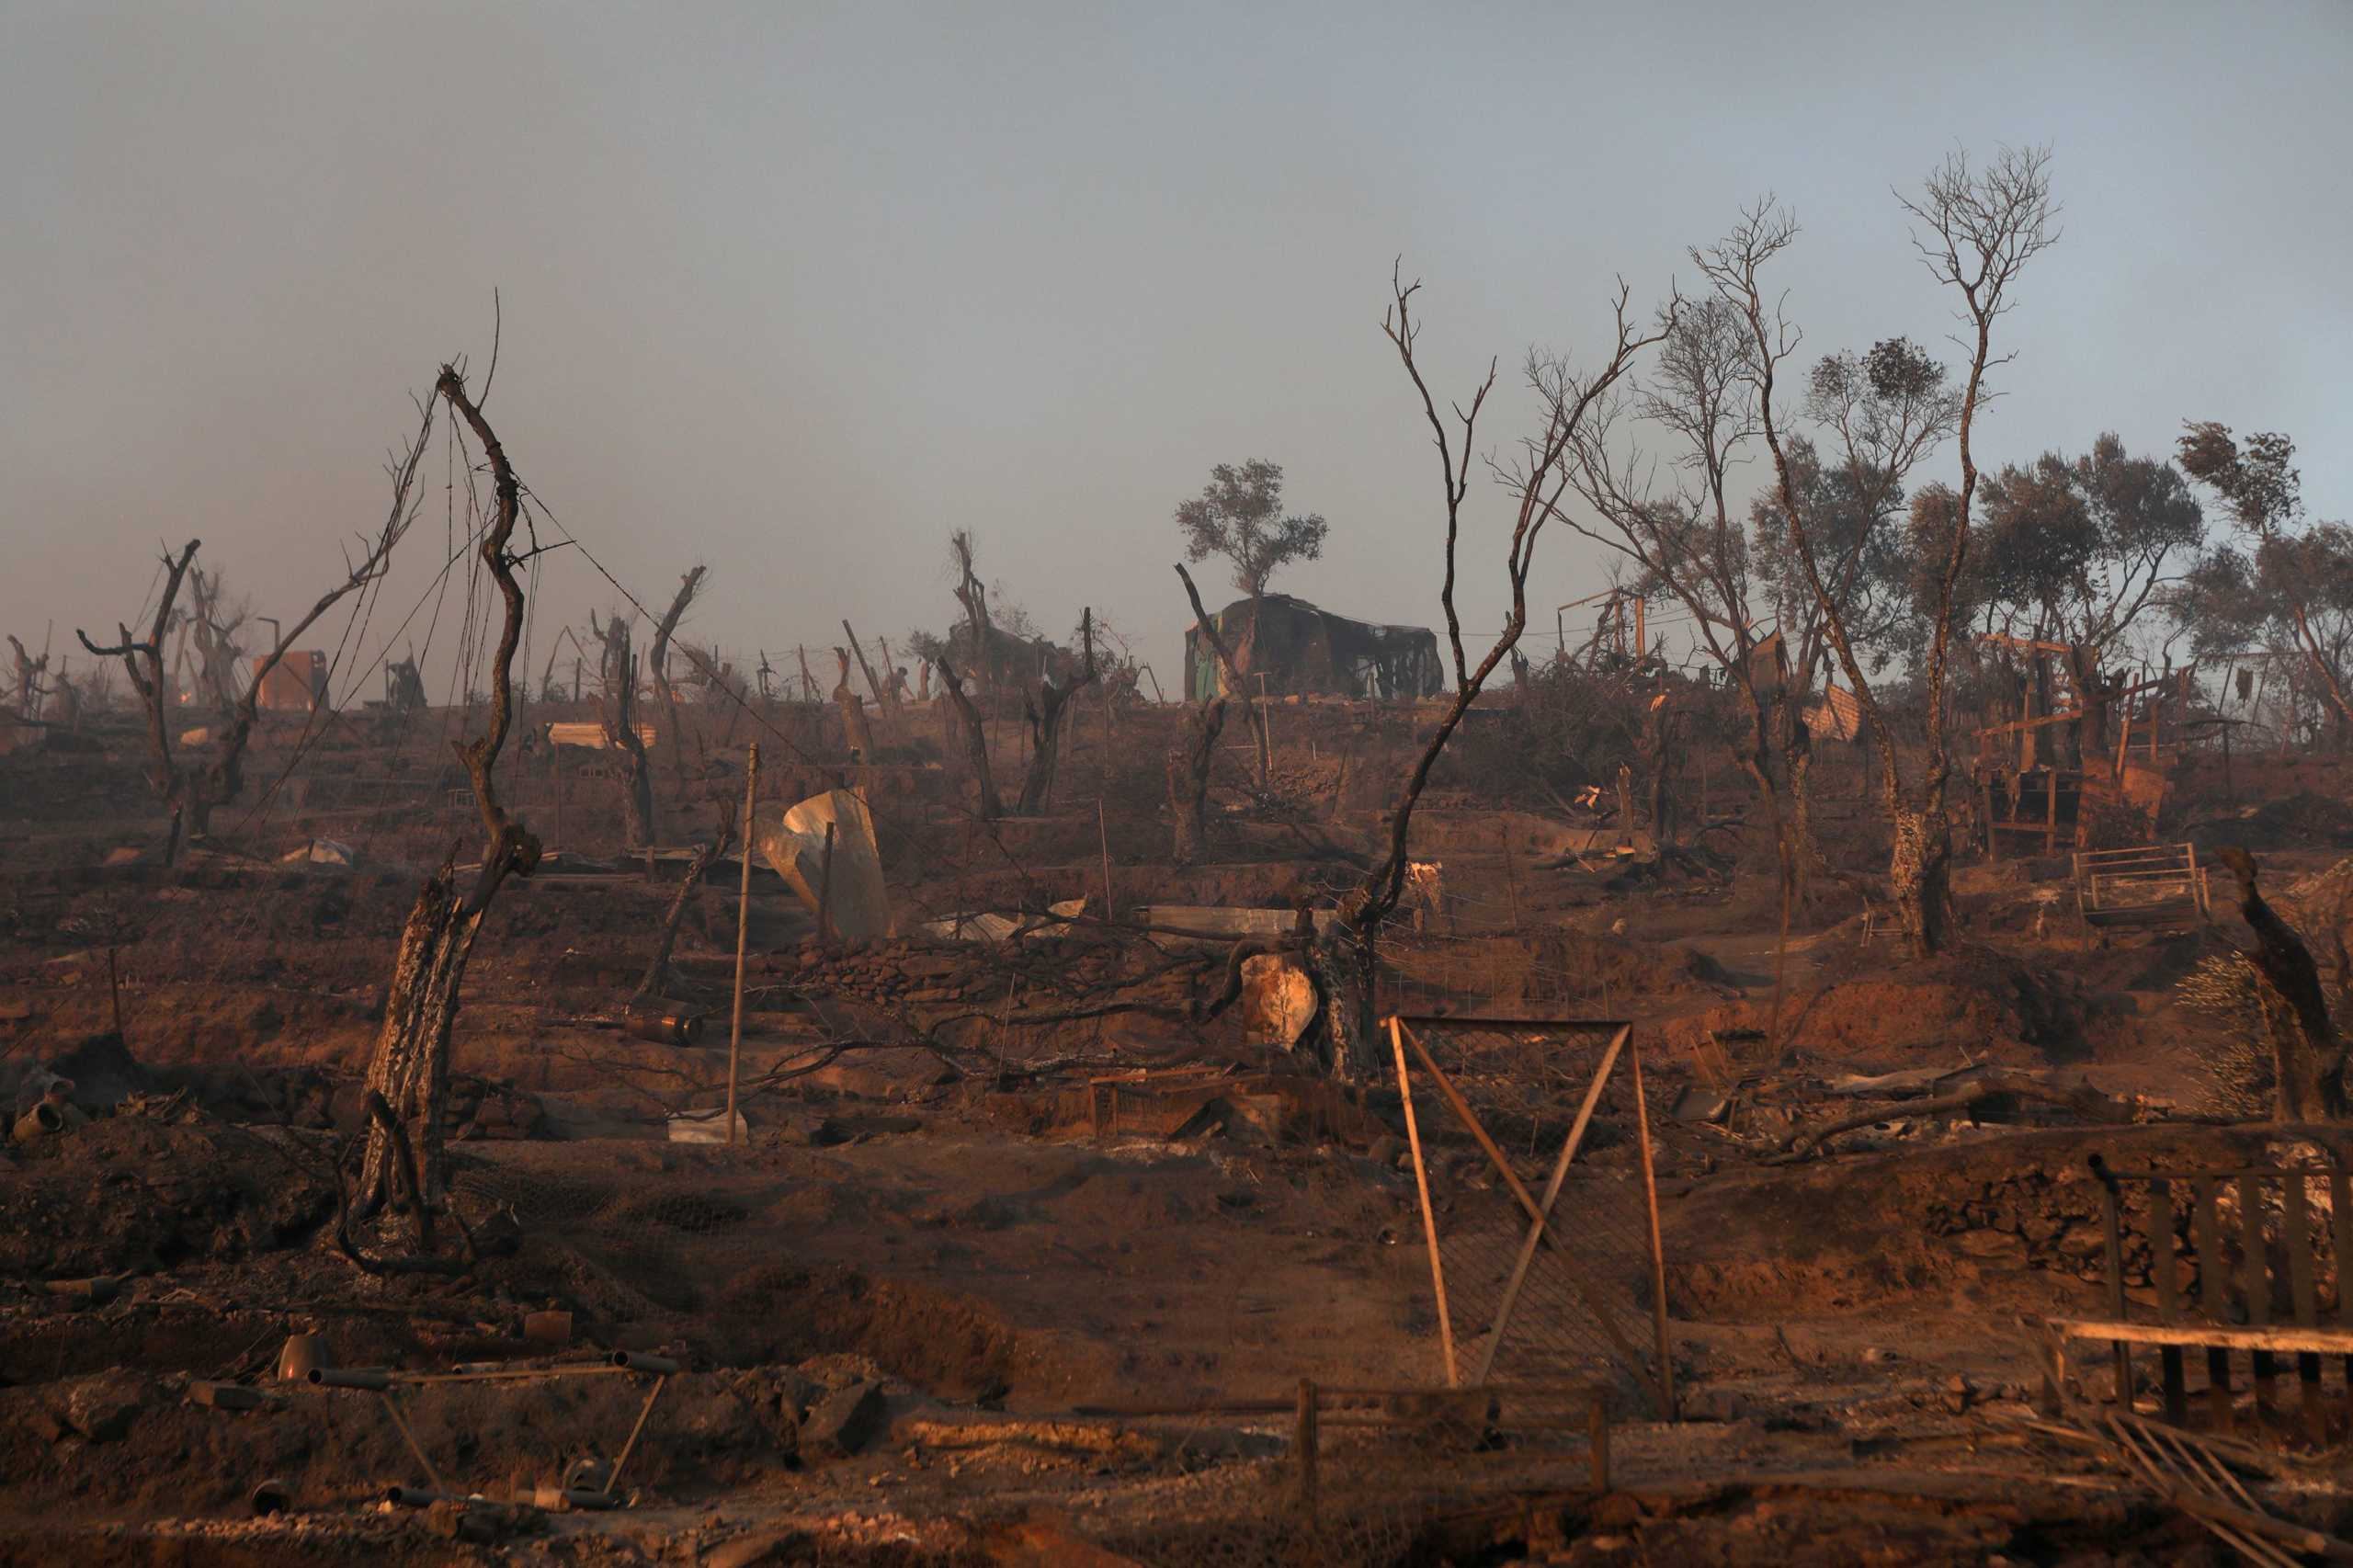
(1299, 648)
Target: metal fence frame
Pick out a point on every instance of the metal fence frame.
(1658, 1377)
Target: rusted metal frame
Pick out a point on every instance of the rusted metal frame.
(1476, 1021)
(1537, 1215)
(1422, 1186)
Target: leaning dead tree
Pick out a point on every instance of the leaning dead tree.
(409, 1074)
(658, 665)
(1235, 684)
(190, 787)
(976, 740)
(26, 702)
(618, 716)
(1045, 717)
(884, 695)
(1534, 484)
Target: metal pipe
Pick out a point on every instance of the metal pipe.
(639, 1361)
(373, 1378)
(417, 1497)
(667, 1028)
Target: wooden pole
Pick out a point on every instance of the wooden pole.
(825, 889)
(743, 926)
(1422, 1184)
(1103, 837)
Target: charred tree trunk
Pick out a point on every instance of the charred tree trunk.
(1189, 781)
(666, 941)
(1237, 688)
(1046, 727)
(411, 1065)
(855, 735)
(1919, 873)
(619, 716)
(975, 600)
(30, 670)
(2308, 1058)
(977, 741)
(658, 665)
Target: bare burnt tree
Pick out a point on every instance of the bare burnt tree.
(618, 716)
(1237, 686)
(1980, 229)
(26, 702)
(410, 1070)
(1686, 540)
(1188, 780)
(212, 625)
(1534, 484)
(975, 600)
(1045, 716)
(191, 789)
(976, 740)
(658, 665)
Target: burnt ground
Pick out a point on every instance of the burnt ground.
(902, 1307)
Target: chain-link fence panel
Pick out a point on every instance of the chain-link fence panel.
(1512, 1117)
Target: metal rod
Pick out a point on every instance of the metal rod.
(393, 1410)
(1103, 837)
(1658, 1249)
(1429, 1216)
(743, 929)
(644, 1410)
(825, 889)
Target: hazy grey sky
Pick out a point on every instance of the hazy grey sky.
(795, 289)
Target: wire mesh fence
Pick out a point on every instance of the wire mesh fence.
(1511, 1117)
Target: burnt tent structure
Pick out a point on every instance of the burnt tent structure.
(1301, 649)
